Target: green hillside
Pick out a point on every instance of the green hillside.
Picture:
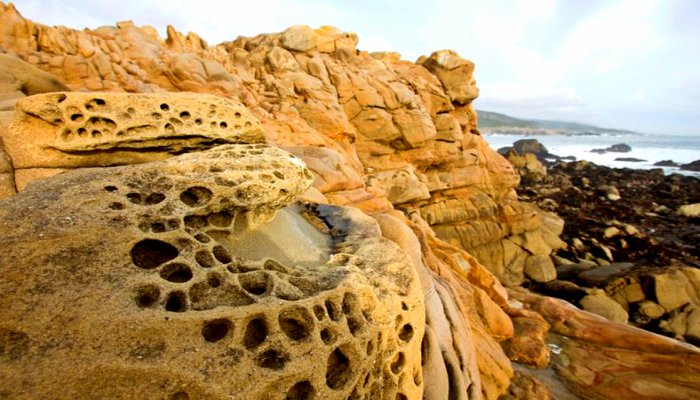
(489, 120)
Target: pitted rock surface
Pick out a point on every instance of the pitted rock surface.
(68, 130)
(166, 280)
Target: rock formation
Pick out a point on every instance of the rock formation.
(388, 124)
(168, 245)
(212, 281)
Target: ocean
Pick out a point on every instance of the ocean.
(652, 148)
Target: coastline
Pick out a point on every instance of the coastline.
(651, 148)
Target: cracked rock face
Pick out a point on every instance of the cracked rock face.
(199, 277)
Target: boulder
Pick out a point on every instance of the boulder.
(689, 210)
(630, 159)
(666, 163)
(189, 277)
(599, 303)
(616, 148)
(620, 361)
(691, 166)
(532, 146)
(540, 268)
(671, 289)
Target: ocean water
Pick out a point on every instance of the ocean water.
(652, 148)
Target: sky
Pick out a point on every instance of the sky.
(614, 63)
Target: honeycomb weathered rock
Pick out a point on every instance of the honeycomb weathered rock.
(196, 277)
(69, 130)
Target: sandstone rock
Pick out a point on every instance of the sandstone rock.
(527, 165)
(689, 210)
(376, 111)
(18, 76)
(527, 387)
(651, 310)
(693, 328)
(455, 73)
(540, 268)
(69, 130)
(599, 303)
(448, 128)
(671, 289)
(528, 346)
(178, 275)
(299, 38)
(593, 353)
(401, 185)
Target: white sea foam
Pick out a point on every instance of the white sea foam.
(652, 148)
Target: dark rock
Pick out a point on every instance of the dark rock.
(619, 148)
(629, 159)
(616, 148)
(666, 163)
(571, 271)
(693, 166)
(504, 150)
(597, 276)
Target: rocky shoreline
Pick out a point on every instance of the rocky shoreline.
(631, 236)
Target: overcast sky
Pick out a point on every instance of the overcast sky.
(615, 63)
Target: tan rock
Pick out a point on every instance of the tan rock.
(299, 38)
(68, 130)
(598, 358)
(692, 333)
(156, 268)
(401, 185)
(689, 210)
(671, 289)
(540, 268)
(455, 73)
(651, 310)
(25, 176)
(376, 124)
(416, 127)
(528, 345)
(17, 75)
(448, 128)
(600, 304)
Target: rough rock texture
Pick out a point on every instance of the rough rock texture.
(400, 124)
(184, 253)
(600, 359)
(177, 279)
(637, 248)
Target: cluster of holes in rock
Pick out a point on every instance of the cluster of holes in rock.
(82, 124)
(296, 323)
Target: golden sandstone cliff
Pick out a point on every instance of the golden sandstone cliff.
(208, 250)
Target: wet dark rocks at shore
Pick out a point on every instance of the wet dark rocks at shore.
(630, 255)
